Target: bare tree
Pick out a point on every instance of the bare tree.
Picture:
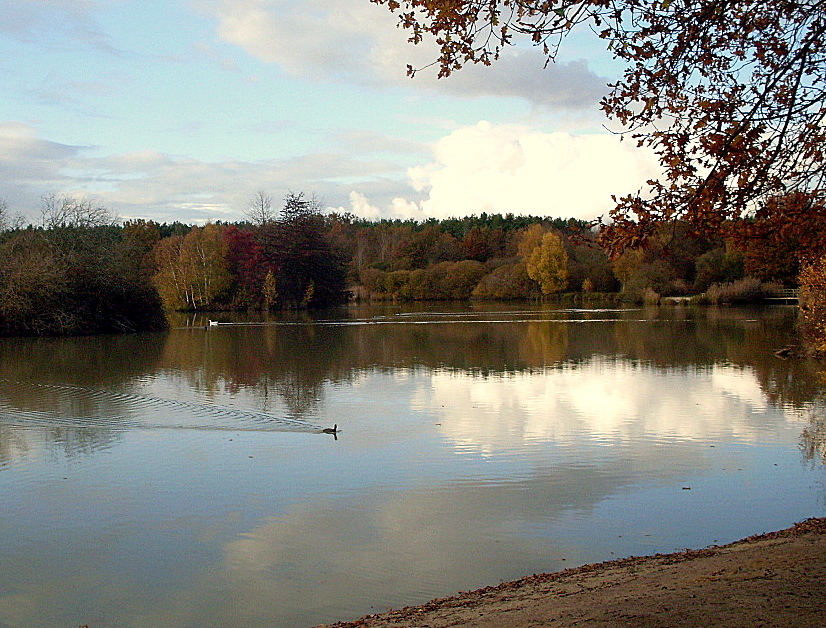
(4, 215)
(71, 211)
(7, 221)
(260, 209)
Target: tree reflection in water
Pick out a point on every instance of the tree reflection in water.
(284, 365)
(550, 433)
(813, 438)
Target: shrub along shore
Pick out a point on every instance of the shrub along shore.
(81, 272)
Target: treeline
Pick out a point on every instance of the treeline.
(80, 272)
(75, 274)
(506, 257)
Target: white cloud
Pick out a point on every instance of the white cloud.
(358, 41)
(496, 169)
(520, 73)
(515, 169)
(398, 207)
(360, 206)
(19, 141)
(310, 37)
(154, 185)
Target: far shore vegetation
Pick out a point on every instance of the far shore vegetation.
(80, 271)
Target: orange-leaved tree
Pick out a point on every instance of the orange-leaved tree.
(731, 94)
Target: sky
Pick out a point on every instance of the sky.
(183, 109)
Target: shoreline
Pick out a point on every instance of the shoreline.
(773, 579)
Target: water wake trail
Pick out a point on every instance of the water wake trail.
(62, 405)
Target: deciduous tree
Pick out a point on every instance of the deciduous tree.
(731, 94)
(74, 280)
(813, 298)
(260, 208)
(547, 264)
(783, 235)
(506, 282)
(7, 221)
(33, 283)
(74, 212)
(483, 243)
(192, 270)
(247, 265)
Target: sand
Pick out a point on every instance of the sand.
(776, 579)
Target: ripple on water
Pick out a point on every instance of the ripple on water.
(31, 405)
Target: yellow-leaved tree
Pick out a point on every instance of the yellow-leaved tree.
(813, 302)
(546, 261)
(192, 270)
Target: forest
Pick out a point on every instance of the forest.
(81, 271)
(730, 96)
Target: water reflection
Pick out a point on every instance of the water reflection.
(289, 361)
(813, 437)
(96, 361)
(606, 400)
(180, 479)
(292, 361)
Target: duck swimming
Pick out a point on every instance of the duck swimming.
(331, 430)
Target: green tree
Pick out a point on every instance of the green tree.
(719, 265)
(657, 275)
(396, 282)
(430, 245)
(373, 280)
(590, 269)
(140, 238)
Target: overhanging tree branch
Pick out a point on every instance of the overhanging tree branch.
(731, 94)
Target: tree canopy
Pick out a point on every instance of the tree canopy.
(548, 264)
(730, 94)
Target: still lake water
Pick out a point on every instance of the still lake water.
(181, 480)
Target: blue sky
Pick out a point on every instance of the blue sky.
(182, 109)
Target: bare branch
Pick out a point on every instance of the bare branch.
(260, 209)
(71, 211)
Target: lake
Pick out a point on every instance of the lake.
(182, 479)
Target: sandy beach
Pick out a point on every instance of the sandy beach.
(776, 579)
